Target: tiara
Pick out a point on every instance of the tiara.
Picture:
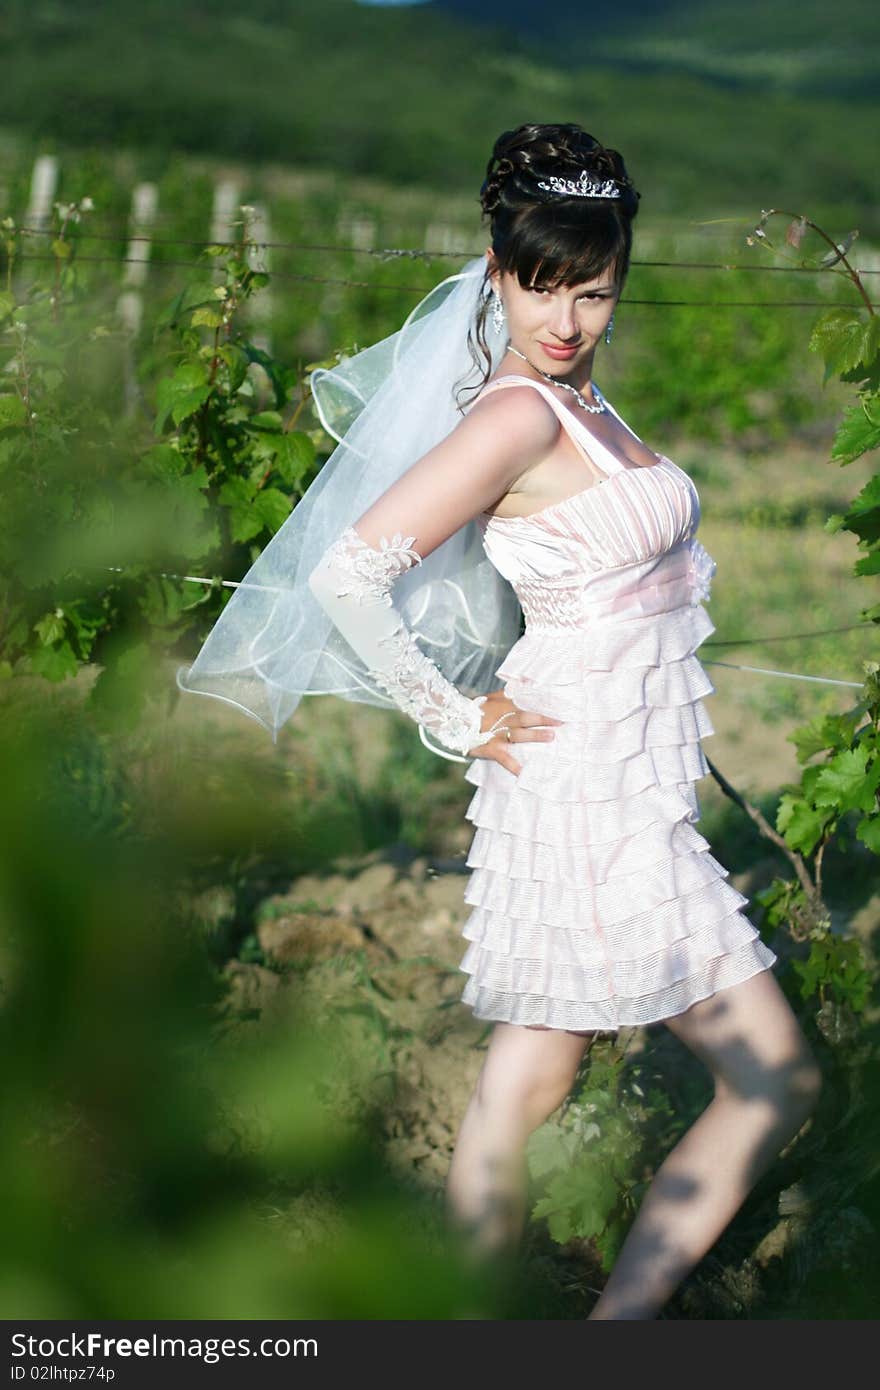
(584, 187)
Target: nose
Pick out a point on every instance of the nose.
(562, 321)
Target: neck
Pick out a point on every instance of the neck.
(580, 377)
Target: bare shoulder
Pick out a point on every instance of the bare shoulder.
(520, 414)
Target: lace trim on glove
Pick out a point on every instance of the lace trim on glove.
(422, 692)
(372, 571)
(412, 680)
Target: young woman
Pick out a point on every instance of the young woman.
(595, 902)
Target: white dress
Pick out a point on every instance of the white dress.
(594, 900)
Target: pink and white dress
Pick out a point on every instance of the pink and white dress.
(595, 901)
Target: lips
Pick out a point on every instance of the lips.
(561, 354)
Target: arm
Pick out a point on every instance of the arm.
(468, 471)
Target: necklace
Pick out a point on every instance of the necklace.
(593, 409)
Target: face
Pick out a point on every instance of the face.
(559, 325)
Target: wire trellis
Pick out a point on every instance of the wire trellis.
(734, 642)
(423, 289)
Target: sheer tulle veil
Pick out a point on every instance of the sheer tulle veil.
(386, 406)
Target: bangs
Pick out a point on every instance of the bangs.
(547, 250)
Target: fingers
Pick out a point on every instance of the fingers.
(529, 718)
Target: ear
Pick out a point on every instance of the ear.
(494, 272)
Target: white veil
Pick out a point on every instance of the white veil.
(387, 406)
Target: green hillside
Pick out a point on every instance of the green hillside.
(412, 96)
(788, 47)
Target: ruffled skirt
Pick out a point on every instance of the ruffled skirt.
(595, 902)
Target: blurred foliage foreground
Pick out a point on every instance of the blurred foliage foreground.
(198, 1122)
(156, 1162)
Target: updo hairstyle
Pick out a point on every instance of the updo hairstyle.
(544, 237)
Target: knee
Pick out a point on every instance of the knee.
(800, 1088)
(528, 1100)
(792, 1091)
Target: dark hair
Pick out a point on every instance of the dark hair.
(536, 232)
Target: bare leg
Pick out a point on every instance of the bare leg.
(766, 1084)
(526, 1075)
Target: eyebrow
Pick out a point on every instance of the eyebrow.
(595, 289)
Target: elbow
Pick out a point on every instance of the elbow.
(319, 580)
(328, 583)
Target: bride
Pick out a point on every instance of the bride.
(401, 579)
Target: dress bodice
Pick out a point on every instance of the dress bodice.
(625, 545)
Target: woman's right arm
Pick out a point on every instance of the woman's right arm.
(496, 442)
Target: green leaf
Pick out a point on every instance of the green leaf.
(799, 823)
(199, 292)
(245, 521)
(295, 457)
(276, 374)
(830, 731)
(12, 411)
(869, 565)
(871, 345)
(187, 405)
(579, 1200)
(163, 461)
(188, 298)
(609, 1242)
(55, 663)
(181, 394)
(237, 492)
(264, 445)
(7, 304)
(868, 831)
(162, 600)
(847, 783)
(863, 516)
(237, 362)
(87, 617)
(857, 434)
(809, 781)
(550, 1148)
(61, 248)
(50, 629)
(842, 339)
(272, 507)
(267, 420)
(206, 318)
(118, 693)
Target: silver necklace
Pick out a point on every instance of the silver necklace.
(593, 409)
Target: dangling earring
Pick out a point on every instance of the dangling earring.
(609, 330)
(497, 312)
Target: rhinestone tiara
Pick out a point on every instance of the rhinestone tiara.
(583, 187)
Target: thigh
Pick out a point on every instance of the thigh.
(531, 1059)
(749, 1038)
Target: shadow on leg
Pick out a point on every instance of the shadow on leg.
(527, 1074)
(767, 1083)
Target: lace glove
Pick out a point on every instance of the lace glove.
(352, 582)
